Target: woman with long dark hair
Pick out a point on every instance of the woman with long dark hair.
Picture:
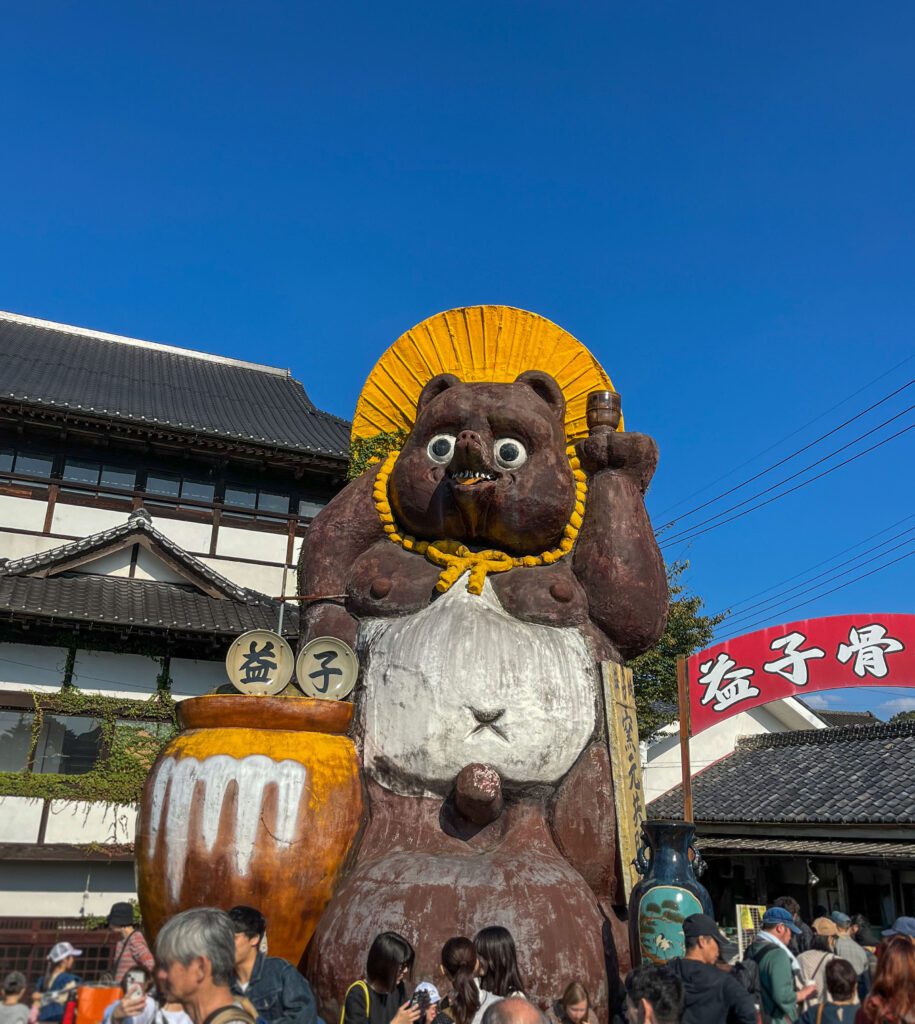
(892, 996)
(468, 1001)
(499, 962)
(380, 997)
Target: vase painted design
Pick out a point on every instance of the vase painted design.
(668, 893)
(257, 801)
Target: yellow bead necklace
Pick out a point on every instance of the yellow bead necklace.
(456, 558)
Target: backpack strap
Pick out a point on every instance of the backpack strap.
(368, 1004)
(761, 955)
(230, 1014)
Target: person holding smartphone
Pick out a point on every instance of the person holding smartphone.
(136, 1006)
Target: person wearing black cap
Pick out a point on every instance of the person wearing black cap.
(711, 996)
(131, 950)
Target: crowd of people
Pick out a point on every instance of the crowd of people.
(836, 970)
(211, 967)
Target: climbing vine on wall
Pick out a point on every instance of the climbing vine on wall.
(366, 451)
(132, 734)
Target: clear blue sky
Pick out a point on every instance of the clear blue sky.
(716, 198)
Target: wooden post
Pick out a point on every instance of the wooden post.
(687, 784)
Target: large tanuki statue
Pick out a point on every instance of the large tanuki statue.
(482, 571)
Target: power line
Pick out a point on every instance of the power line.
(793, 476)
(755, 609)
(816, 565)
(787, 437)
(782, 611)
(794, 455)
(691, 534)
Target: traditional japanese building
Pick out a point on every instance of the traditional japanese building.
(152, 504)
(824, 815)
(661, 770)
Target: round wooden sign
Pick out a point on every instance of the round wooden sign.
(327, 668)
(259, 662)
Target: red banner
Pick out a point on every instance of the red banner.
(797, 659)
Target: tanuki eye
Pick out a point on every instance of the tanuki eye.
(441, 448)
(509, 453)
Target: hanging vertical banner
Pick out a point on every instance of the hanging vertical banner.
(869, 649)
(626, 765)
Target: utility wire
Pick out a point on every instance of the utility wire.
(691, 532)
(782, 611)
(817, 565)
(753, 609)
(816, 586)
(787, 458)
(787, 437)
(793, 476)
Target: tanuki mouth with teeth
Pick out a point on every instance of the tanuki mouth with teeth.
(468, 477)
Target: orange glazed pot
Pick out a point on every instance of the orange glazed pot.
(256, 801)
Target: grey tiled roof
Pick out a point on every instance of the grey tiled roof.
(61, 367)
(115, 600)
(138, 522)
(834, 776)
(27, 588)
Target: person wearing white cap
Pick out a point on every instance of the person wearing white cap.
(52, 990)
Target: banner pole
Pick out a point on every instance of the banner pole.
(687, 784)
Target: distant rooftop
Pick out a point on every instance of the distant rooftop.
(80, 371)
(836, 719)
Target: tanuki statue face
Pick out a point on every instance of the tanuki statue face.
(486, 464)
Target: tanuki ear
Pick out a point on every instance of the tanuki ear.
(439, 383)
(545, 387)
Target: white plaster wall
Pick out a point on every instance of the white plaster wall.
(193, 537)
(121, 675)
(64, 889)
(663, 772)
(19, 545)
(151, 567)
(267, 579)
(76, 821)
(265, 547)
(117, 563)
(24, 513)
(31, 667)
(82, 520)
(192, 678)
(297, 549)
(20, 819)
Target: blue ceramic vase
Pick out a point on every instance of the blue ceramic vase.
(668, 892)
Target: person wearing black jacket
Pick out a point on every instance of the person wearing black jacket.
(711, 996)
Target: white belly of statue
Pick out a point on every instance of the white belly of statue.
(463, 681)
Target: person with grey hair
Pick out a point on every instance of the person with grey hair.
(514, 1010)
(195, 964)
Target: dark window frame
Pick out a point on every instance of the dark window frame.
(178, 506)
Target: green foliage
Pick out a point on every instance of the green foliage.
(132, 736)
(364, 451)
(655, 671)
(904, 716)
